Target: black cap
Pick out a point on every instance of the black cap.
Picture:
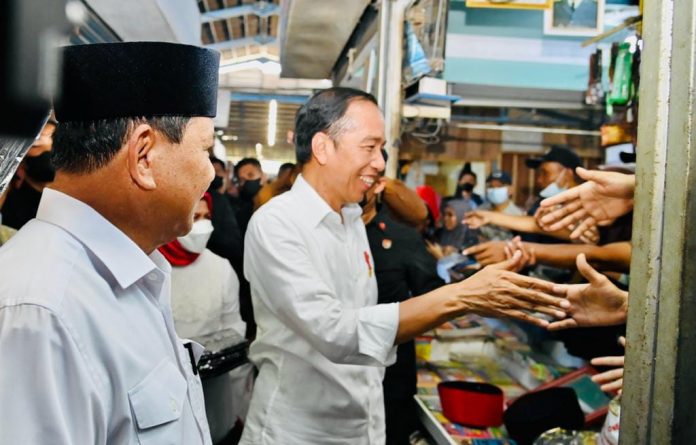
(535, 412)
(501, 176)
(562, 154)
(132, 79)
(627, 157)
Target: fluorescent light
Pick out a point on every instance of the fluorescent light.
(272, 118)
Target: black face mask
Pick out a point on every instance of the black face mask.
(40, 168)
(250, 189)
(466, 187)
(217, 183)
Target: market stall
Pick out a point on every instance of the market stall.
(497, 352)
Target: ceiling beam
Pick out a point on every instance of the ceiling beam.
(261, 9)
(240, 43)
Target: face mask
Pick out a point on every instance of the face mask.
(250, 188)
(40, 168)
(497, 195)
(463, 188)
(468, 187)
(216, 183)
(196, 240)
(553, 189)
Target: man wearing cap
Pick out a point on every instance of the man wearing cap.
(322, 341)
(88, 347)
(498, 192)
(555, 172)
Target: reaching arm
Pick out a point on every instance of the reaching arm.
(595, 303)
(614, 256)
(517, 223)
(599, 201)
(492, 292)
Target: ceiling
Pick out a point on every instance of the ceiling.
(253, 38)
(147, 20)
(248, 126)
(241, 30)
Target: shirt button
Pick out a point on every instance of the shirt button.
(173, 404)
(152, 276)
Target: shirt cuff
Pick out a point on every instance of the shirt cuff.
(377, 327)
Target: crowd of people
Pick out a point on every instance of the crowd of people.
(330, 270)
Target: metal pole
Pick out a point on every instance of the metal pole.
(525, 129)
(636, 415)
(392, 89)
(658, 405)
(384, 12)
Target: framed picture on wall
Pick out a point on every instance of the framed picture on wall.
(509, 4)
(574, 18)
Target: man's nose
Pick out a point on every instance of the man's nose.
(378, 160)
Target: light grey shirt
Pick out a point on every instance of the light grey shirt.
(322, 341)
(89, 352)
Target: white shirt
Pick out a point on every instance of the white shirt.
(205, 302)
(322, 341)
(205, 305)
(89, 352)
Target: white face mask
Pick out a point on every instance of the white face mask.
(196, 240)
(497, 195)
(553, 189)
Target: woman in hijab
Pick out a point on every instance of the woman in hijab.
(455, 236)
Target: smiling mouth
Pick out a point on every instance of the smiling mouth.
(368, 180)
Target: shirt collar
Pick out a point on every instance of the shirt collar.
(316, 209)
(124, 259)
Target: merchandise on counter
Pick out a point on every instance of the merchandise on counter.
(559, 436)
(504, 358)
(610, 431)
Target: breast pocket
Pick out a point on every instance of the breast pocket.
(157, 402)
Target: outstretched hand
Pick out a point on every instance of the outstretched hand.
(611, 380)
(528, 256)
(604, 197)
(490, 252)
(495, 291)
(477, 219)
(597, 303)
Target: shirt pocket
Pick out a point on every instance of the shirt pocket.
(157, 402)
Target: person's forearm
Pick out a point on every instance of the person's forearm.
(524, 223)
(420, 314)
(616, 256)
(517, 223)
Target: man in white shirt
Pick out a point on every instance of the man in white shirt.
(322, 341)
(88, 347)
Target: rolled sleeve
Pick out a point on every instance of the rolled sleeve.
(377, 327)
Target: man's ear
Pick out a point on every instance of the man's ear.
(321, 144)
(140, 146)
